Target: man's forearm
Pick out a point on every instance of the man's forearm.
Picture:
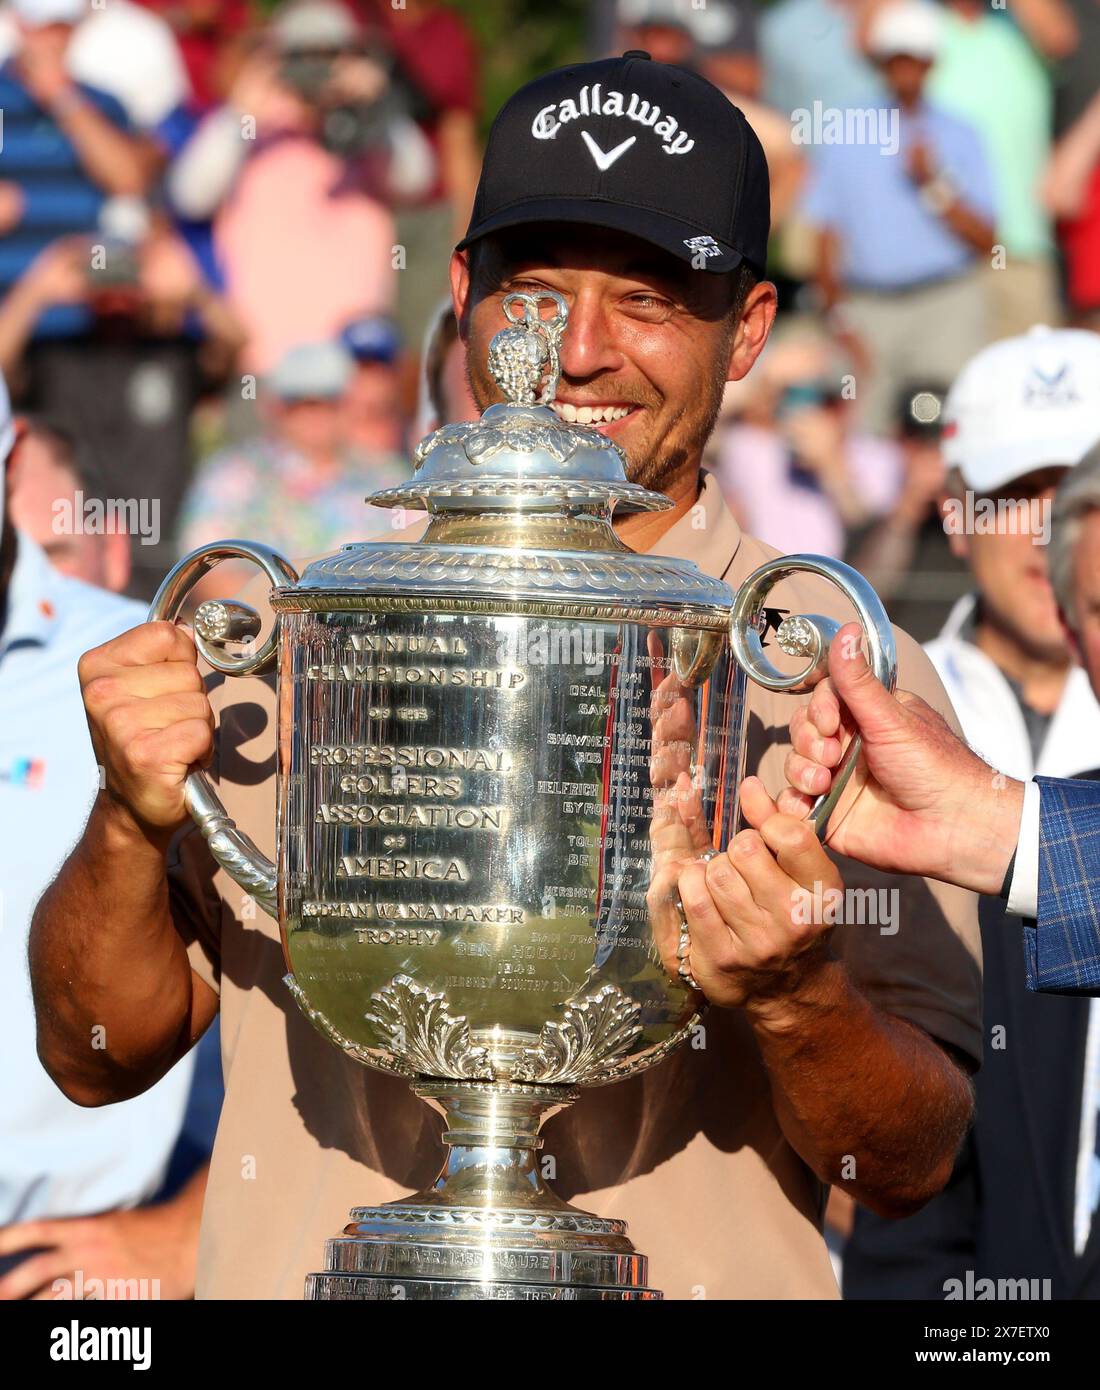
(115, 999)
(19, 313)
(827, 272)
(971, 227)
(110, 157)
(870, 1102)
(222, 325)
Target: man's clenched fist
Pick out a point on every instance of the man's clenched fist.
(150, 721)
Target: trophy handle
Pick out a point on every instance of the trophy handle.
(217, 622)
(810, 636)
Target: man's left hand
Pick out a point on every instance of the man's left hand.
(757, 938)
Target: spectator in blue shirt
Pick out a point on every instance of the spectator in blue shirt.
(810, 53)
(66, 149)
(903, 203)
(99, 1203)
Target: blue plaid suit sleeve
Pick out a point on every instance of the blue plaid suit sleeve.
(1062, 948)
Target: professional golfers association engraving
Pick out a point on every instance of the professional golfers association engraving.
(481, 739)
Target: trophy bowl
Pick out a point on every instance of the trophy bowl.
(498, 747)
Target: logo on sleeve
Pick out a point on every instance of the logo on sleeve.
(25, 772)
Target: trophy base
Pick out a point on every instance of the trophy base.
(489, 1228)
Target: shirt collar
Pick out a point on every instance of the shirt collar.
(962, 620)
(710, 536)
(32, 606)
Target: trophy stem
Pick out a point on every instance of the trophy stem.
(489, 1227)
(493, 1140)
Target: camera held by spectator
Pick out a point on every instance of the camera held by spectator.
(344, 75)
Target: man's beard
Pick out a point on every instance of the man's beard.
(661, 464)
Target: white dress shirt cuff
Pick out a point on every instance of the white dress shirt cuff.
(1023, 894)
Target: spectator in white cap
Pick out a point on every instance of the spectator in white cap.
(1025, 1193)
(75, 1183)
(903, 205)
(41, 13)
(122, 48)
(301, 483)
(40, 49)
(1021, 414)
(1075, 560)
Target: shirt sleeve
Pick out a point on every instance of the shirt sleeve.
(1023, 896)
(108, 106)
(819, 204)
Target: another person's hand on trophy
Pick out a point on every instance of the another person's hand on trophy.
(920, 802)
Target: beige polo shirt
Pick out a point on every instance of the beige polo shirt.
(690, 1153)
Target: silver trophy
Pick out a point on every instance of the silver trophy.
(480, 735)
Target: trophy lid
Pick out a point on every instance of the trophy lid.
(520, 456)
(520, 506)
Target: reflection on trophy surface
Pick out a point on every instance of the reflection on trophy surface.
(499, 745)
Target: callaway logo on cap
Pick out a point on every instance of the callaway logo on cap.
(636, 146)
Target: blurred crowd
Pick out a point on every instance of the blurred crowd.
(224, 237)
(224, 234)
(935, 176)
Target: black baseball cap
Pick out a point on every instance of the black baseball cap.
(641, 147)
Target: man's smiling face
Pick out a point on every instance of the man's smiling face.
(650, 344)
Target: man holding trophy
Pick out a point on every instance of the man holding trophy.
(502, 876)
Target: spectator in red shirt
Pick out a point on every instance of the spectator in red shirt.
(1072, 193)
(203, 29)
(436, 55)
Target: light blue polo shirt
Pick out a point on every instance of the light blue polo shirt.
(57, 1158)
(809, 53)
(889, 239)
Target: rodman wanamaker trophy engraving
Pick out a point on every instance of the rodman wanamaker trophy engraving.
(479, 737)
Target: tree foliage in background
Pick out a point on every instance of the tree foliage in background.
(519, 39)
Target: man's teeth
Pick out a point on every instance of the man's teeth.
(589, 414)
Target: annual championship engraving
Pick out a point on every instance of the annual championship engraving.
(467, 815)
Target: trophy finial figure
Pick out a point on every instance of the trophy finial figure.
(525, 352)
